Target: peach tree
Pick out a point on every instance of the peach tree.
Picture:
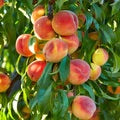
(59, 59)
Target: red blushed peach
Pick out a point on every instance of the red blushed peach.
(83, 107)
(55, 50)
(65, 22)
(100, 56)
(96, 115)
(43, 28)
(79, 72)
(22, 45)
(93, 35)
(82, 19)
(72, 42)
(1, 3)
(35, 70)
(37, 13)
(95, 71)
(4, 82)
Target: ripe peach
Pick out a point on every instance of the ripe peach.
(83, 107)
(43, 28)
(35, 70)
(22, 45)
(96, 115)
(55, 50)
(100, 56)
(37, 13)
(82, 19)
(79, 72)
(72, 41)
(93, 35)
(4, 82)
(95, 71)
(65, 22)
(1, 3)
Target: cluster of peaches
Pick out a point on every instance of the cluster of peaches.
(61, 39)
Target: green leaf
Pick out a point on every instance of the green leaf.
(60, 105)
(89, 20)
(45, 79)
(64, 68)
(98, 12)
(115, 7)
(89, 90)
(42, 99)
(100, 92)
(108, 34)
(116, 66)
(15, 103)
(59, 3)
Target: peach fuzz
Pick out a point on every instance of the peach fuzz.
(43, 28)
(55, 50)
(83, 107)
(72, 42)
(22, 45)
(4, 82)
(1, 3)
(35, 70)
(93, 35)
(37, 13)
(100, 56)
(95, 71)
(79, 72)
(65, 22)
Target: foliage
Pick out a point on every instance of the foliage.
(45, 98)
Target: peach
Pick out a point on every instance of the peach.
(82, 19)
(4, 82)
(70, 94)
(72, 41)
(22, 45)
(55, 50)
(65, 22)
(79, 72)
(43, 28)
(93, 35)
(95, 71)
(83, 107)
(100, 56)
(35, 70)
(1, 3)
(96, 115)
(37, 13)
